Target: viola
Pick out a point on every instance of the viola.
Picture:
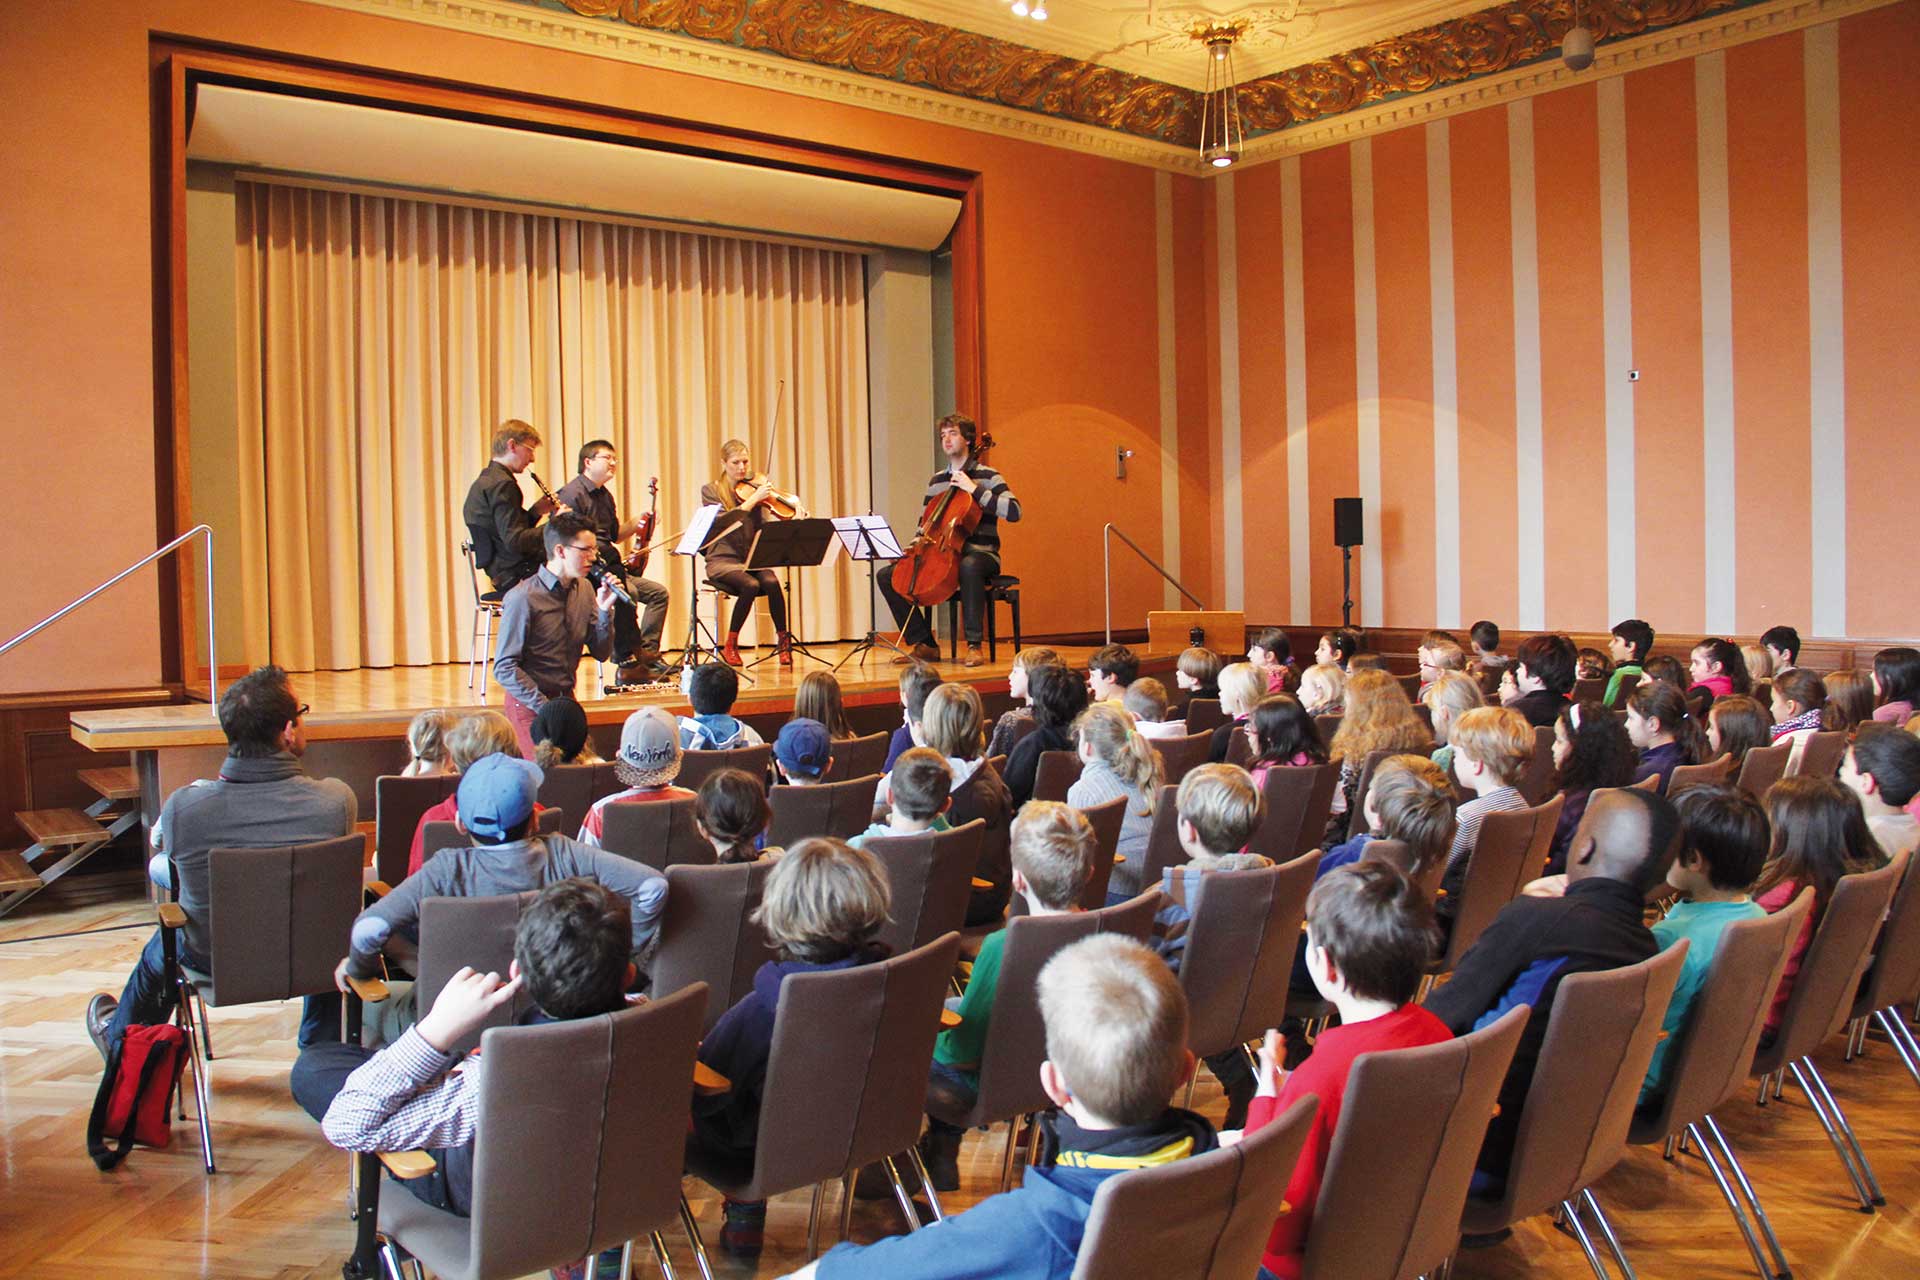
(775, 506)
(636, 561)
(928, 570)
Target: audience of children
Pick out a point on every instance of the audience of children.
(1736, 725)
(818, 698)
(1410, 800)
(1591, 664)
(1118, 763)
(1219, 810)
(1799, 701)
(1783, 646)
(803, 752)
(646, 764)
(1110, 669)
(712, 688)
(1629, 644)
(732, 812)
(1849, 700)
(1058, 698)
(481, 734)
(1450, 696)
(824, 904)
(1282, 736)
(1338, 647)
(1591, 750)
(953, 727)
(1882, 767)
(1658, 726)
(1323, 689)
(1116, 1027)
(1896, 684)
(1492, 747)
(1378, 717)
(1486, 663)
(920, 787)
(1198, 673)
(916, 682)
(1439, 654)
(1271, 654)
(1017, 720)
(1543, 673)
(427, 744)
(559, 734)
(1146, 701)
(1668, 670)
(1241, 688)
(1759, 663)
(1718, 667)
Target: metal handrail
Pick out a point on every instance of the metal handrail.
(1107, 535)
(213, 661)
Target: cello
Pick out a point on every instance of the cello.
(928, 570)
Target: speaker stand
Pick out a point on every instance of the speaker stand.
(1346, 586)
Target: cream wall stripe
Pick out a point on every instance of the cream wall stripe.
(1366, 351)
(1446, 379)
(1169, 387)
(1716, 339)
(1529, 460)
(1825, 285)
(1231, 458)
(1293, 300)
(1616, 304)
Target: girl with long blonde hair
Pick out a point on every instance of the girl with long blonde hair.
(1117, 762)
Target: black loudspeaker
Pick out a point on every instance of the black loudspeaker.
(1346, 523)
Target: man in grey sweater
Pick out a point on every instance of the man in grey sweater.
(495, 802)
(261, 798)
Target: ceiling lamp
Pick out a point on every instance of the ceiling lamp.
(1035, 9)
(1221, 134)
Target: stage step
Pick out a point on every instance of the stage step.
(112, 784)
(15, 874)
(52, 828)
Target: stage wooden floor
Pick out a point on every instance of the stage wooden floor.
(276, 1209)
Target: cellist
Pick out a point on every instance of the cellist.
(980, 560)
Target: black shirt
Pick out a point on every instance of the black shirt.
(594, 503)
(505, 542)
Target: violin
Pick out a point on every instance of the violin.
(636, 561)
(928, 570)
(776, 505)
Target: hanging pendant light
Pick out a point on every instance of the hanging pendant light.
(1221, 134)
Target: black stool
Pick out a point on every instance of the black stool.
(1002, 588)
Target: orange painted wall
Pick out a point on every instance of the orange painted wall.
(1406, 376)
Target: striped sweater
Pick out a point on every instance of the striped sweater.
(996, 501)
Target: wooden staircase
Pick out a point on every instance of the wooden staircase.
(65, 838)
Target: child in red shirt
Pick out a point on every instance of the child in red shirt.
(1370, 934)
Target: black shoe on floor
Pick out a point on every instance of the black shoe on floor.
(940, 1151)
(1487, 1239)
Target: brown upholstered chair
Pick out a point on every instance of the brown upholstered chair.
(1536, 780)
(1763, 767)
(1106, 820)
(1297, 800)
(1719, 769)
(1328, 725)
(1403, 1153)
(398, 805)
(1055, 775)
(1573, 1124)
(474, 932)
(1496, 869)
(846, 1082)
(837, 809)
(999, 763)
(1628, 683)
(707, 933)
(1821, 753)
(929, 879)
(448, 835)
(278, 919)
(1362, 783)
(1546, 817)
(1243, 931)
(1894, 978)
(1016, 1038)
(1163, 839)
(1206, 1217)
(858, 757)
(660, 833)
(1179, 756)
(697, 766)
(1708, 1063)
(595, 1167)
(1239, 748)
(1589, 690)
(1821, 1003)
(1400, 854)
(1204, 715)
(571, 788)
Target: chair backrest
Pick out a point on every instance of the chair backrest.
(858, 757)
(929, 879)
(1498, 861)
(847, 1074)
(1536, 780)
(1822, 752)
(1206, 1217)
(999, 763)
(1204, 715)
(837, 809)
(473, 571)
(1763, 767)
(1016, 1037)
(398, 805)
(707, 935)
(1895, 976)
(1600, 1038)
(1055, 774)
(1244, 930)
(1291, 793)
(1163, 839)
(1403, 1153)
(1179, 756)
(277, 913)
(1329, 724)
(477, 933)
(1400, 854)
(597, 1163)
(1106, 819)
(697, 766)
(1715, 1049)
(448, 835)
(1361, 785)
(1628, 683)
(1589, 690)
(660, 833)
(1546, 818)
(1239, 747)
(570, 788)
(1716, 770)
(1842, 947)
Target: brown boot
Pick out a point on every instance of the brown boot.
(783, 646)
(974, 657)
(730, 651)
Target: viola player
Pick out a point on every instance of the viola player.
(744, 500)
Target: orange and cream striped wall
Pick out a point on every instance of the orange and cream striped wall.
(1448, 321)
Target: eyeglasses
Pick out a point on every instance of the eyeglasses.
(301, 714)
(574, 546)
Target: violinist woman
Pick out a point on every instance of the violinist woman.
(746, 502)
(981, 485)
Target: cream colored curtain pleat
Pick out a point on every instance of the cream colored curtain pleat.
(382, 340)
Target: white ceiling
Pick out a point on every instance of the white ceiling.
(1150, 39)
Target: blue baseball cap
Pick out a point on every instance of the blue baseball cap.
(496, 794)
(803, 747)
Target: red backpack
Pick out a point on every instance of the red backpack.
(135, 1101)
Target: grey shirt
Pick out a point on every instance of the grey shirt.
(1098, 784)
(258, 801)
(544, 623)
(520, 866)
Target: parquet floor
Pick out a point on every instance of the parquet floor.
(275, 1210)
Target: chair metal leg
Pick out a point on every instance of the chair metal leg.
(1734, 1206)
(660, 1258)
(1902, 1041)
(1006, 1163)
(846, 1208)
(1856, 1039)
(1607, 1234)
(1833, 1136)
(926, 1184)
(1673, 1145)
(900, 1195)
(692, 1229)
(1193, 1081)
(813, 1221)
(1782, 1270)
(206, 1029)
(626, 1260)
(199, 1069)
(1846, 1130)
(1571, 1216)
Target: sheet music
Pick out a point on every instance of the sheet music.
(698, 532)
(846, 533)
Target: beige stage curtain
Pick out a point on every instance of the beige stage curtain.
(382, 340)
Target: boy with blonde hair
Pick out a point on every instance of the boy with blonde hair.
(1116, 1025)
(1491, 749)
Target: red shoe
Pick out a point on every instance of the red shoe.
(784, 648)
(730, 651)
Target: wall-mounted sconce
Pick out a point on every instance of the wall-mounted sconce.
(1120, 456)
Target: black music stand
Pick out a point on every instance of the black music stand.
(790, 545)
(693, 543)
(869, 538)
